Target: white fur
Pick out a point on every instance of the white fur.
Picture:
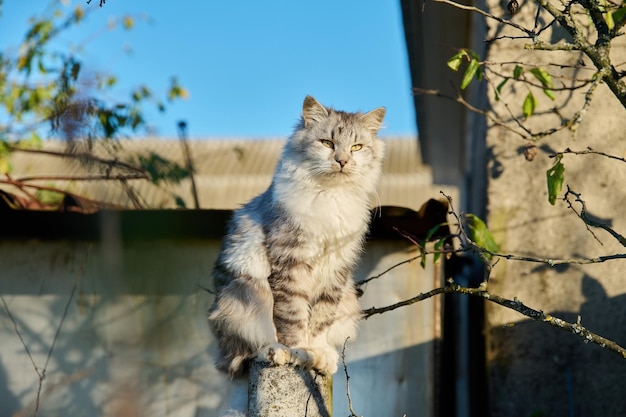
(324, 188)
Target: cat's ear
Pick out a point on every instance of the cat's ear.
(373, 119)
(312, 111)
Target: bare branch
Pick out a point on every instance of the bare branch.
(41, 372)
(406, 261)
(588, 151)
(529, 32)
(543, 46)
(555, 262)
(22, 185)
(131, 194)
(82, 178)
(537, 315)
(459, 99)
(409, 260)
(83, 156)
(345, 369)
(588, 220)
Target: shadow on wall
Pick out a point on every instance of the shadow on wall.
(400, 381)
(134, 340)
(107, 362)
(542, 371)
(130, 344)
(8, 402)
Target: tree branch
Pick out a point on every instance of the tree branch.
(111, 163)
(589, 221)
(529, 32)
(575, 328)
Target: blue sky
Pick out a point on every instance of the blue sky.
(246, 64)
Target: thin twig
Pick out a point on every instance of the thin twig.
(84, 156)
(588, 151)
(459, 99)
(529, 32)
(82, 178)
(41, 373)
(373, 277)
(589, 221)
(345, 369)
(131, 194)
(20, 184)
(409, 260)
(18, 333)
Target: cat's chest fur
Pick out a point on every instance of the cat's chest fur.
(330, 224)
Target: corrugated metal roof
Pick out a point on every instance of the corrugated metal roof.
(227, 172)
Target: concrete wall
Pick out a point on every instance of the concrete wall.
(532, 369)
(535, 370)
(134, 339)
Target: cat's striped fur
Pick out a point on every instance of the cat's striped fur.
(283, 278)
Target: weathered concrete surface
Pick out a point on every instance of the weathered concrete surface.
(534, 369)
(287, 391)
(135, 336)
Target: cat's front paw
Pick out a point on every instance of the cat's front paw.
(323, 360)
(279, 354)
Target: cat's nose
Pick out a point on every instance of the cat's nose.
(341, 162)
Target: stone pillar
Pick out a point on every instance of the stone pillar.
(287, 391)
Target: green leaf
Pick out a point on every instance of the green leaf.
(49, 197)
(499, 88)
(79, 13)
(454, 63)
(423, 259)
(545, 79)
(5, 153)
(480, 234)
(5, 148)
(479, 72)
(530, 103)
(176, 90)
(470, 73)
(161, 169)
(619, 14)
(180, 203)
(75, 69)
(41, 67)
(549, 93)
(128, 22)
(437, 247)
(608, 18)
(33, 141)
(431, 232)
(555, 176)
(517, 72)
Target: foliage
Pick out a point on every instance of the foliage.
(45, 90)
(555, 177)
(589, 28)
(159, 168)
(545, 89)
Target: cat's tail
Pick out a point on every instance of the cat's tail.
(237, 403)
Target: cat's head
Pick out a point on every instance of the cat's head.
(338, 146)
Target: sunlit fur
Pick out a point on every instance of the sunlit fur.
(284, 275)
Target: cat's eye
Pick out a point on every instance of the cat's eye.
(328, 143)
(356, 147)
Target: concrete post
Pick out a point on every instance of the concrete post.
(285, 391)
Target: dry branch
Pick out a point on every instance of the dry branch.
(575, 328)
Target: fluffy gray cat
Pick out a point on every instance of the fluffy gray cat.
(283, 278)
